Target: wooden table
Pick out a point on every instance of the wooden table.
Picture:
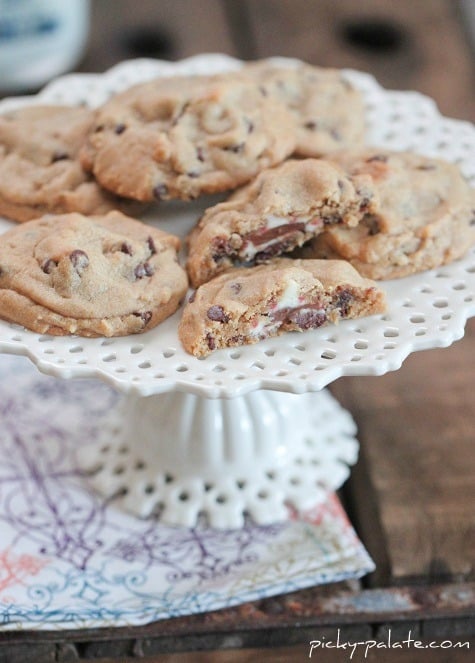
(412, 494)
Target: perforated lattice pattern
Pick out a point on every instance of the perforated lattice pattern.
(426, 310)
(317, 461)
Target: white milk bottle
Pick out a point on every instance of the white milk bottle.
(40, 39)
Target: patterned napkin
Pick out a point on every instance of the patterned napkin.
(70, 559)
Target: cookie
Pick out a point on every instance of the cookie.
(279, 210)
(328, 110)
(184, 136)
(426, 216)
(245, 305)
(92, 276)
(40, 170)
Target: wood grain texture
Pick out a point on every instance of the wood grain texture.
(123, 29)
(322, 655)
(412, 493)
(414, 497)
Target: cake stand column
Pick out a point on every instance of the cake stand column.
(184, 456)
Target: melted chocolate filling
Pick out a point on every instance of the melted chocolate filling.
(262, 237)
(312, 316)
(284, 236)
(307, 316)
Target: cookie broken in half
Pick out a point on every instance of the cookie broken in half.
(279, 210)
(245, 305)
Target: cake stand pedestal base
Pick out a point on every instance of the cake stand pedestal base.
(184, 456)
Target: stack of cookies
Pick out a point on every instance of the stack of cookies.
(313, 215)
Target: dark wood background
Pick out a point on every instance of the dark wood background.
(412, 494)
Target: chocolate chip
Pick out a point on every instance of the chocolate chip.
(235, 287)
(48, 265)
(100, 127)
(199, 154)
(211, 342)
(343, 300)
(372, 223)
(145, 316)
(217, 313)
(178, 114)
(192, 297)
(311, 125)
(218, 257)
(143, 269)
(364, 204)
(59, 156)
(221, 249)
(127, 248)
(193, 173)
(160, 191)
(308, 318)
(120, 128)
(426, 166)
(329, 219)
(151, 245)
(80, 260)
(250, 125)
(377, 157)
(234, 148)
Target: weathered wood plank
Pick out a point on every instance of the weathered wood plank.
(321, 610)
(167, 30)
(413, 494)
(406, 440)
(324, 655)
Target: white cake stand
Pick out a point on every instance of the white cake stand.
(219, 436)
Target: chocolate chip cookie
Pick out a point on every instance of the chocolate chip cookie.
(39, 164)
(245, 305)
(182, 136)
(279, 210)
(92, 276)
(328, 110)
(426, 216)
